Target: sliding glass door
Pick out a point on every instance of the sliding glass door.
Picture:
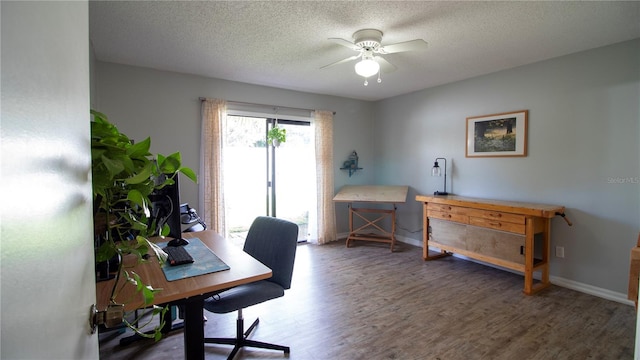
(260, 179)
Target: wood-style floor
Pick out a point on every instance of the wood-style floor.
(365, 302)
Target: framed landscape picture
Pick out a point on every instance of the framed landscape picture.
(497, 135)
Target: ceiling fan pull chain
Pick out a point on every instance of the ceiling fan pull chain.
(379, 79)
(366, 82)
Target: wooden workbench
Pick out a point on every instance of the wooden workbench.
(502, 233)
(372, 229)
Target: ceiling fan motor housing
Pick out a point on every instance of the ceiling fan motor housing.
(367, 39)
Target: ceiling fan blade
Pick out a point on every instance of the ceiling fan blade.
(351, 58)
(412, 45)
(385, 66)
(344, 43)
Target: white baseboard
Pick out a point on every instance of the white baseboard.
(556, 280)
(591, 290)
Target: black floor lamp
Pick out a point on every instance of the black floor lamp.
(435, 171)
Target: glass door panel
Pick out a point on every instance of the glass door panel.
(245, 174)
(261, 179)
(295, 189)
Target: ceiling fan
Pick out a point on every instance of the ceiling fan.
(368, 44)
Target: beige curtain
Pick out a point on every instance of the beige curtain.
(211, 183)
(324, 176)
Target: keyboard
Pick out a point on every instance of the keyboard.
(178, 255)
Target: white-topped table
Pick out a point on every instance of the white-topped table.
(372, 229)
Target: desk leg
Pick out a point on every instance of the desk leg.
(194, 328)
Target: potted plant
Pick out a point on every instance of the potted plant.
(124, 175)
(276, 135)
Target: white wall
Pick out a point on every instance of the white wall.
(164, 105)
(584, 130)
(47, 267)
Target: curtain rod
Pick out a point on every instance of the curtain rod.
(275, 106)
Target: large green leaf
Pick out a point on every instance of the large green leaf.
(113, 167)
(136, 197)
(139, 199)
(96, 152)
(143, 175)
(98, 117)
(145, 188)
(165, 230)
(129, 165)
(169, 164)
(189, 173)
(105, 252)
(147, 291)
(140, 149)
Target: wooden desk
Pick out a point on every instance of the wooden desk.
(502, 233)
(190, 292)
(372, 194)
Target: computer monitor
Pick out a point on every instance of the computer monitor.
(165, 209)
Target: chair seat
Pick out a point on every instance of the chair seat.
(243, 296)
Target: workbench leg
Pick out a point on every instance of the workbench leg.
(425, 238)
(529, 287)
(425, 232)
(528, 256)
(546, 251)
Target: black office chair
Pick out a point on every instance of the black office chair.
(273, 242)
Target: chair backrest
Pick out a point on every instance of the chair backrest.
(273, 242)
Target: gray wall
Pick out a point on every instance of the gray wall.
(164, 105)
(584, 131)
(47, 267)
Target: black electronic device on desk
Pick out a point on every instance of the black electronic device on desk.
(189, 216)
(178, 255)
(178, 242)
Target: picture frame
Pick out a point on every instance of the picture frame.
(497, 135)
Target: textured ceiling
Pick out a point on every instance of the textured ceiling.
(284, 43)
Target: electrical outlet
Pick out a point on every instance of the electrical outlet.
(560, 251)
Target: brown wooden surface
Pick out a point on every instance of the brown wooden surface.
(497, 245)
(485, 231)
(448, 233)
(497, 216)
(514, 207)
(497, 225)
(461, 218)
(243, 269)
(370, 229)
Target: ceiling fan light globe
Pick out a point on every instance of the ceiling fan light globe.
(367, 67)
